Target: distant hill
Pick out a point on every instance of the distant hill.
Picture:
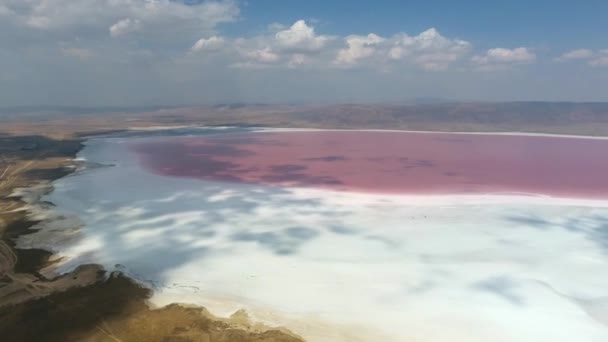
(540, 117)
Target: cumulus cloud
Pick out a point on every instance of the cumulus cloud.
(150, 36)
(265, 55)
(500, 58)
(300, 46)
(155, 42)
(283, 46)
(212, 43)
(502, 55)
(358, 47)
(576, 54)
(124, 26)
(592, 58)
(301, 37)
(172, 28)
(429, 49)
(600, 59)
(93, 17)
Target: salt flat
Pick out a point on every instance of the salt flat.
(344, 266)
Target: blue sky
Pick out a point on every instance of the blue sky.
(558, 23)
(173, 52)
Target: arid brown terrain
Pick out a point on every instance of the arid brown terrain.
(536, 117)
(38, 145)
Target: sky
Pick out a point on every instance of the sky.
(195, 52)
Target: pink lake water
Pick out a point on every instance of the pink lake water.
(232, 221)
(389, 162)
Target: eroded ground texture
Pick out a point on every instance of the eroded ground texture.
(354, 236)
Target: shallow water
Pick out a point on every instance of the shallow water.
(340, 265)
(389, 162)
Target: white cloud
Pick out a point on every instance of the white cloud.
(300, 46)
(430, 50)
(500, 58)
(115, 31)
(212, 43)
(600, 59)
(298, 60)
(93, 17)
(358, 47)
(300, 37)
(593, 58)
(576, 54)
(165, 40)
(265, 55)
(293, 46)
(124, 26)
(502, 55)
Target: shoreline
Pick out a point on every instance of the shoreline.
(577, 195)
(267, 129)
(181, 292)
(404, 199)
(24, 266)
(500, 133)
(48, 299)
(183, 296)
(456, 199)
